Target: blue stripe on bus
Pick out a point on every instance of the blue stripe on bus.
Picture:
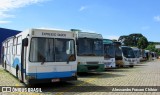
(15, 63)
(52, 74)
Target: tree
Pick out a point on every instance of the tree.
(142, 42)
(133, 38)
(151, 47)
(130, 40)
(124, 40)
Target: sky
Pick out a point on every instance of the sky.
(111, 18)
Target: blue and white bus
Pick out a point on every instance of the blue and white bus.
(41, 55)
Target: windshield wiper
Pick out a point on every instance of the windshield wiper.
(43, 60)
(71, 58)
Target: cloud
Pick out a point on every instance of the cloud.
(5, 22)
(82, 8)
(50, 28)
(4, 15)
(7, 5)
(157, 18)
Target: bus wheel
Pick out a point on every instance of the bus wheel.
(131, 66)
(5, 66)
(18, 74)
(118, 66)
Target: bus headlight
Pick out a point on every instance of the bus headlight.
(30, 77)
(74, 74)
(125, 59)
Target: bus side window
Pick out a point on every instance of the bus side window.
(19, 42)
(2, 54)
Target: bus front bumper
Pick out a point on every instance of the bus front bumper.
(90, 68)
(49, 80)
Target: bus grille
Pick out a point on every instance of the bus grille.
(93, 67)
(131, 60)
(92, 62)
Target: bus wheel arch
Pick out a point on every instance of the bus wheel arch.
(131, 66)
(18, 73)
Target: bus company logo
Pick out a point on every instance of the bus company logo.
(20, 89)
(6, 89)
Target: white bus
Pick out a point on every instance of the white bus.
(39, 56)
(89, 52)
(109, 53)
(129, 58)
(148, 55)
(154, 55)
(137, 53)
(124, 55)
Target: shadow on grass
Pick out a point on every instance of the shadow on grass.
(111, 75)
(117, 70)
(100, 75)
(140, 65)
(88, 75)
(78, 86)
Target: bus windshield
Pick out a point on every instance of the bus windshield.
(90, 47)
(128, 52)
(51, 50)
(109, 51)
(137, 53)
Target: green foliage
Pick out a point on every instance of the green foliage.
(124, 40)
(142, 42)
(138, 40)
(114, 40)
(152, 48)
(133, 40)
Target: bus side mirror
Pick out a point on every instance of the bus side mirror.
(25, 42)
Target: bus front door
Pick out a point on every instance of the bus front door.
(23, 58)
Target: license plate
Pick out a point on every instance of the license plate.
(131, 63)
(55, 80)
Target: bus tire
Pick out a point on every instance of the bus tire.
(5, 66)
(122, 66)
(29, 85)
(18, 74)
(131, 66)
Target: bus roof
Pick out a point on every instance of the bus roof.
(107, 41)
(89, 35)
(135, 48)
(50, 33)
